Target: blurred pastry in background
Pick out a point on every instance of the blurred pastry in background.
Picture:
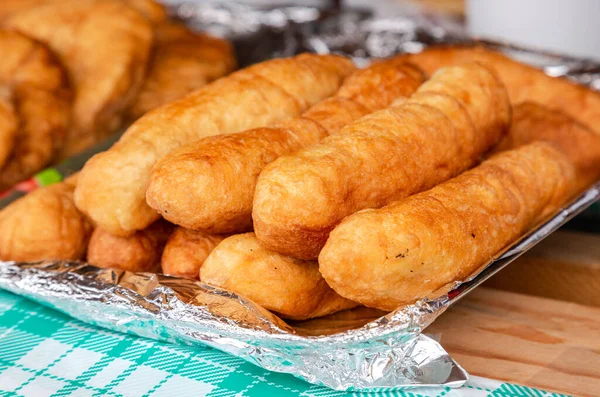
(105, 46)
(150, 9)
(35, 100)
(45, 224)
(182, 61)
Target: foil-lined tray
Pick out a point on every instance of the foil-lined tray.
(355, 349)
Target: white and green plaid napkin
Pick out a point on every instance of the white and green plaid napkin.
(45, 353)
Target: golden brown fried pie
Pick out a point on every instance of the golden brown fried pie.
(105, 45)
(150, 9)
(45, 224)
(112, 186)
(534, 122)
(388, 257)
(291, 288)
(139, 252)
(181, 62)
(186, 251)
(452, 120)
(523, 82)
(34, 107)
(209, 184)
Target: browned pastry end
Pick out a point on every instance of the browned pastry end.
(186, 251)
(443, 129)
(534, 122)
(140, 252)
(291, 288)
(35, 101)
(105, 46)
(523, 82)
(182, 61)
(112, 186)
(45, 224)
(388, 257)
(209, 184)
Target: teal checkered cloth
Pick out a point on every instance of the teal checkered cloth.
(45, 353)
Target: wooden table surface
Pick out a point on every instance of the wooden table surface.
(536, 323)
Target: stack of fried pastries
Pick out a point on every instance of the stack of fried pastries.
(74, 71)
(310, 186)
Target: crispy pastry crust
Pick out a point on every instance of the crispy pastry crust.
(186, 251)
(45, 224)
(291, 288)
(112, 187)
(534, 122)
(35, 100)
(182, 61)
(453, 119)
(140, 252)
(523, 82)
(209, 184)
(388, 257)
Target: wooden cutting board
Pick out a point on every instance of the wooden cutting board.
(544, 341)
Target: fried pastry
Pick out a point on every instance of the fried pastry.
(139, 252)
(35, 101)
(45, 224)
(388, 257)
(209, 184)
(534, 122)
(182, 61)
(112, 186)
(105, 45)
(291, 288)
(9, 124)
(523, 82)
(150, 9)
(186, 251)
(452, 120)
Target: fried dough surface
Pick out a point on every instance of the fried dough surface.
(45, 224)
(105, 45)
(523, 82)
(533, 122)
(34, 107)
(291, 288)
(112, 186)
(150, 9)
(209, 184)
(388, 257)
(140, 252)
(452, 120)
(182, 61)
(186, 251)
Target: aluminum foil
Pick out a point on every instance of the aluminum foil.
(354, 349)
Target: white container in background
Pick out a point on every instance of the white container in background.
(569, 27)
